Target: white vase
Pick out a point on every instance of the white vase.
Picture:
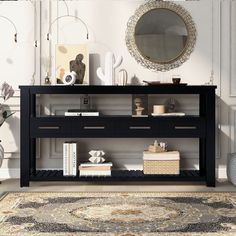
(231, 168)
(1, 151)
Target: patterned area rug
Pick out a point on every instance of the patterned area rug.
(123, 214)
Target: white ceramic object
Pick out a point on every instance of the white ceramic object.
(69, 78)
(158, 109)
(231, 168)
(108, 76)
(97, 156)
(96, 153)
(97, 160)
(122, 77)
(1, 151)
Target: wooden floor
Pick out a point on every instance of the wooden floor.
(14, 185)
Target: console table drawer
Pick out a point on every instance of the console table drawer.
(193, 127)
(93, 128)
(135, 127)
(47, 128)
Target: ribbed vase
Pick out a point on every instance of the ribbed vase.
(1, 151)
(231, 168)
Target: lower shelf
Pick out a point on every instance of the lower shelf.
(117, 175)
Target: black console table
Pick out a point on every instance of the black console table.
(202, 127)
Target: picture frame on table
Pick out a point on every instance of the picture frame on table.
(72, 64)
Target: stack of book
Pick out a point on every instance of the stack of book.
(70, 165)
(92, 169)
(78, 112)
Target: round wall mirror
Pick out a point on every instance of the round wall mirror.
(161, 35)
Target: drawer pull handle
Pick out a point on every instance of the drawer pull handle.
(185, 127)
(139, 127)
(49, 127)
(94, 127)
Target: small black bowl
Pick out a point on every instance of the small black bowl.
(176, 80)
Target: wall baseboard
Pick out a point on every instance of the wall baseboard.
(15, 173)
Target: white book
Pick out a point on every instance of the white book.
(65, 158)
(139, 115)
(100, 164)
(161, 156)
(70, 158)
(81, 113)
(72, 113)
(89, 113)
(95, 173)
(169, 114)
(74, 159)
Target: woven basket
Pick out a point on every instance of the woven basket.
(164, 167)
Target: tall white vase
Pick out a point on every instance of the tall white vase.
(1, 151)
(231, 168)
(108, 75)
(1, 154)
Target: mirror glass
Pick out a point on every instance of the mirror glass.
(161, 35)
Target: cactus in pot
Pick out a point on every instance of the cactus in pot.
(108, 76)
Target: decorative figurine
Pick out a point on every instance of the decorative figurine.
(139, 105)
(47, 80)
(108, 77)
(79, 68)
(69, 78)
(139, 109)
(97, 156)
(171, 104)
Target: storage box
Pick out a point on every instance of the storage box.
(165, 163)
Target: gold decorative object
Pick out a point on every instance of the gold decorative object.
(157, 147)
(152, 148)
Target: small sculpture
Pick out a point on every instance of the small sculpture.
(108, 77)
(79, 68)
(139, 109)
(97, 156)
(171, 104)
(69, 78)
(47, 79)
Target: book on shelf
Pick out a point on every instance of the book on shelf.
(70, 165)
(87, 164)
(95, 173)
(169, 155)
(92, 169)
(78, 112)
(65, 159)
(169, 114)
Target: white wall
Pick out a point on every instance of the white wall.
(106, 20)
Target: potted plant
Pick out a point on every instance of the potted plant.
(6, 93)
